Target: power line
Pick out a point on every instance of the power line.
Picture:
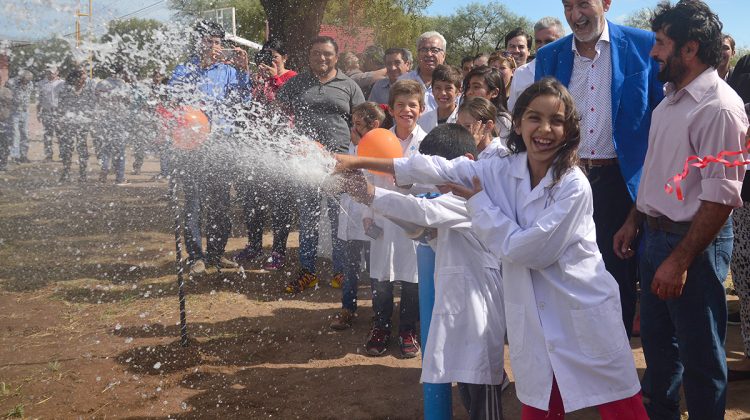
(127, 14)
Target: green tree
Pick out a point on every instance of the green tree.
(37, 56)
(640, 18)
(129, 44)
(250, 17)
(478, 27)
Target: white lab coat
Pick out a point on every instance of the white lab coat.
(496, 147)
(429, 119)
(393, 256)
(467, 330)
(561, 305)
(351, 213)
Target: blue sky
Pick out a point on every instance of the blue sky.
(733, 13)
(35, 19)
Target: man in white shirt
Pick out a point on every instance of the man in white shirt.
(430, 54)
(46, 109)
(547, 30)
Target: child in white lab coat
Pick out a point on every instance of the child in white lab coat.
(393, 256)
(365, 117)
(533, 209)
(467, 329)
(478, 115)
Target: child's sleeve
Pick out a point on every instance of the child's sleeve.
(441, 212)
(422, 169)
(545, 240)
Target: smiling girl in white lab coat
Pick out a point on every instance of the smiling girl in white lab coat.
(533, 209)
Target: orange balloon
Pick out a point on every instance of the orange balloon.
(192, 128)
(380, 143)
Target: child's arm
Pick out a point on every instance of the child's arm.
(541, 244)
(440, 212)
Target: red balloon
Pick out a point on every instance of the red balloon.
(192, 128)
(380, 143)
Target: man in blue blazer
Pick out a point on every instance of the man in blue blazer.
(612, 78)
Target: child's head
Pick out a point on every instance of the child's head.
(478, 111)
(406, 103)
(365, 117)
(503, 62)
(446, 85)
(546, 125)
(449, 141)
(486, 83)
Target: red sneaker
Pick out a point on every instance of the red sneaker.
(407, 340)
(377, 341)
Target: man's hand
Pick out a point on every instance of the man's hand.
(239, 60)
(669, 280)
(623, 239)
(462, 191)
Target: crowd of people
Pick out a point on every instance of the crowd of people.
(536, 172)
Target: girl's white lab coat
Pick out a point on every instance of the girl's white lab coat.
(467, 330)
(393, 256)
(561, 306)
(429, 120)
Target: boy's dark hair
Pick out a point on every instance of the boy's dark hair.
(466, 59)
(446, 73)
(324, 40)
(518, 32)
(691, 20)
(567, 155)
(75, 76)
(449, 141)
(208, 29)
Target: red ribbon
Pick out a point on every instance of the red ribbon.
(701, 163)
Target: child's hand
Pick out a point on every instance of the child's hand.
(344, 163)
(462, 191)
(355, 184)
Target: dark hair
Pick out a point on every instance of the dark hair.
(324, 40)
(446, 73)
(691, 20)
(275, 45)
(731, 41)
(75, 76)
(493, 80)
(518, 32)
(567, 155)
(209, 29)
(449, 141)
(405, 54)
(466, 59)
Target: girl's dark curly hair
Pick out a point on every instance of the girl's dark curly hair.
(567, 155)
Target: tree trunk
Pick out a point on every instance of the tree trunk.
(295, 23)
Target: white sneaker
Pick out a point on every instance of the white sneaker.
(198, 267)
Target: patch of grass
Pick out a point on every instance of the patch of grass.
(54, 366)
(15, 412)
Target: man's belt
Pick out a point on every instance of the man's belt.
(665, 224)
(595, 163)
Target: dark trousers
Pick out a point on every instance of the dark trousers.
(51, 130)
(612, 203)
(382, 305)
(483, 402)
(352, 270)
(75, 138)
(258, 200)
(683, 338)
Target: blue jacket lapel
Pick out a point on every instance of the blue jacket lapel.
(618, 49)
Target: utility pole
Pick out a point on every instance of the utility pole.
(88, 14)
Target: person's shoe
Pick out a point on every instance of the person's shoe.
(224, 262)
(65, 177)
(343, 320)
(248, 255)
(407, 341)
(337, 281)
(48, 159)
(102, 176)
(24, 159)
(136, 171)
(275, 263)
(377, 341)
(122, 183)
(733, 318)
(198, 267)
(305, 280)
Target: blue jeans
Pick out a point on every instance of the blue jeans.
(683, 338)
(20, 135)
(309, 226)
(352, 270)
(113, 154)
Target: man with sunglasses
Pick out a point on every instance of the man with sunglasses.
(546, 31)
(430, 54)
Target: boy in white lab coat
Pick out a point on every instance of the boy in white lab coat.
(465, 343)
(393, 256)
(365, 117)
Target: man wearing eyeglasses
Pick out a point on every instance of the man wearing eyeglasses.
(430, 54)
(546, 30)
(614, 82)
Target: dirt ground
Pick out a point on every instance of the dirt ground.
(89, 320)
